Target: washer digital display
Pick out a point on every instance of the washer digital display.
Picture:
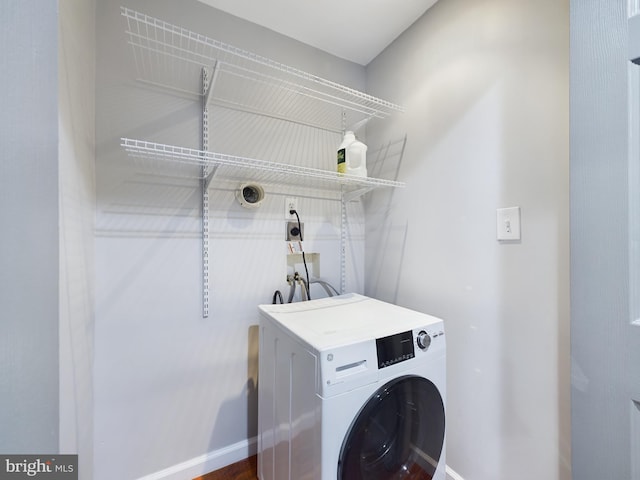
(394, 349)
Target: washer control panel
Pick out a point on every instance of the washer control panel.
(406, 345)
(395, 349)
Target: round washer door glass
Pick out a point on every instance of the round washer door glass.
(398, 434)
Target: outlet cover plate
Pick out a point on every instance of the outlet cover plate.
(289, 236)
(290, 203)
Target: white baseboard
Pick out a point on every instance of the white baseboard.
(221, 458)
(208, 462)
(452, 475)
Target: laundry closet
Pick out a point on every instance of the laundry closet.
(160, 380)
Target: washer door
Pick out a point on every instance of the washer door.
(398, 433)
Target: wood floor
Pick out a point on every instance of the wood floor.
(248, 470)
(245, 470)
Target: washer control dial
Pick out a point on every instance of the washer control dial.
(423, 340)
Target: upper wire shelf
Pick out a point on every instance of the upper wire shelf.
(173, 57)
(231, 167)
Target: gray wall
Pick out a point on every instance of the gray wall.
(29, 232)
(599, 240)
(486, 88)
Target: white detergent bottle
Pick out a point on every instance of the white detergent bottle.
(357, 159)
(352, 156)
(348, 139)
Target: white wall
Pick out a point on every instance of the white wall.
(485, 85)
(175, 393)
(29, 233)
(76, 159)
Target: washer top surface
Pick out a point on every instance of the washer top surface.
(345, 319)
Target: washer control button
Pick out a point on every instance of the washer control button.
(424, 340)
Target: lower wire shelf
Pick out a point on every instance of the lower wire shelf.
(230, 167)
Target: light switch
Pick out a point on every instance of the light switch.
(508, 223)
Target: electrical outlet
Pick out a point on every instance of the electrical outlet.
(293, 233)
(290, 203)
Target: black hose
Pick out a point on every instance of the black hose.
(277, 296)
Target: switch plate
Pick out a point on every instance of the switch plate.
(508, 223)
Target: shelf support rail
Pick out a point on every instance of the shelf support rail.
(206, 179)
(343, 245)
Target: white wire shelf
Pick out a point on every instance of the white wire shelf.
(171, 56)
(229, 167)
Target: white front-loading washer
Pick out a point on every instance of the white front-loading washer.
(350, 388)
